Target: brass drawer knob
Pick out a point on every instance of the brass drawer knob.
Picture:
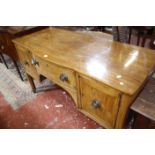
(96, 104)
(63, 77)
(35, 62)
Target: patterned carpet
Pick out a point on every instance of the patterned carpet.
(13, 89)
(12, 67)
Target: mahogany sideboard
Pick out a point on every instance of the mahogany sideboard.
(102, 76)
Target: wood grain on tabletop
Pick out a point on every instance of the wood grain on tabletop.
(121, 66)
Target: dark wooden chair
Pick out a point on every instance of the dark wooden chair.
(7, 47)
(141, 31)
(148, 41)
(121, 34)
(7, 33)
(124, 33)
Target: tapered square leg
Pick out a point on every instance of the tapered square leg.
(30, 79)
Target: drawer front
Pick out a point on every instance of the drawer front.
(26, 59)
(99, 101)
(58, 74)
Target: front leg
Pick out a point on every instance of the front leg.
(31, 83)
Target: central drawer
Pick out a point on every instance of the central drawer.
(60, 75)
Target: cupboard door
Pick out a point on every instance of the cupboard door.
(99, 101)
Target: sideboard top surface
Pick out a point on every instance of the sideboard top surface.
(121, 66)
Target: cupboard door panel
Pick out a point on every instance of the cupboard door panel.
(100, 103)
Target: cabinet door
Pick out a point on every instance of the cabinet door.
(100, 102)
(25, 57)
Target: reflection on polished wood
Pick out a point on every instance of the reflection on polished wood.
(115, 72)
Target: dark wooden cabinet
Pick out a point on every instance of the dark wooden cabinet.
(142, 122)
(143, 108)
(7, 47)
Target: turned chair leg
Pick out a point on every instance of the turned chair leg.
(2, 57)
(18, 70)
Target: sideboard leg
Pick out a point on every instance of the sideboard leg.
(31, 83)
(123, 111)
